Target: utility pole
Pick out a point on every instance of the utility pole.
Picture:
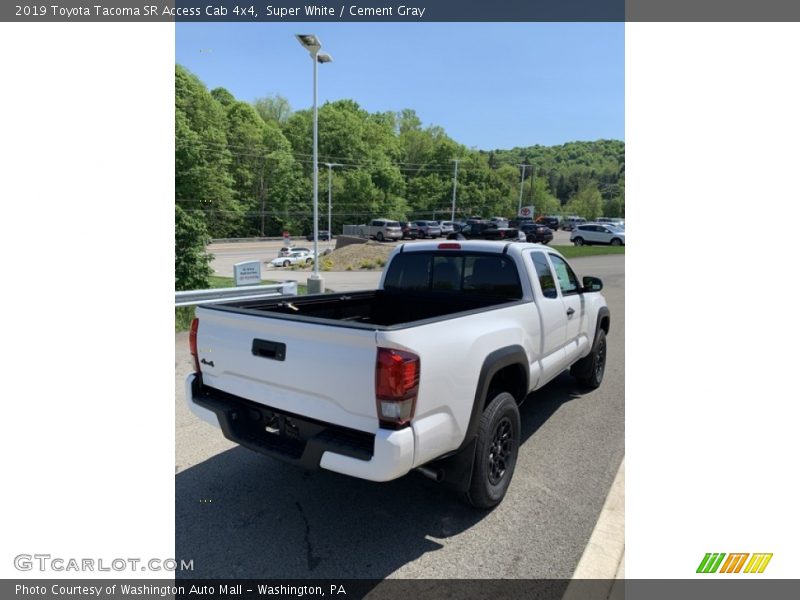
(455, 182)
(261, 193)
(533, 197)
(330, 231)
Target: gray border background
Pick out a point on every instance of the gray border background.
(438, 10)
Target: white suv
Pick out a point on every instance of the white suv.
(597, 233)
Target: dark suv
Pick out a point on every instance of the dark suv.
(537, 233)
(552, 222)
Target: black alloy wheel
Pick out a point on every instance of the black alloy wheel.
(500, 451)
(496, 451)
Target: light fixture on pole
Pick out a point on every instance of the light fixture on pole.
(311, 42)
(330, 168)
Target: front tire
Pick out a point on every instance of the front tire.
(589, 370)
(379, 237)
(286, 263)
(495, 452)
(616, 242)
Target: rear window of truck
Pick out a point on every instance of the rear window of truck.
(485, 274)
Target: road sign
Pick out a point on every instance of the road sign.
(526, 212)
(247, 273)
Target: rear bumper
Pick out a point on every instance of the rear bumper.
(301, 441)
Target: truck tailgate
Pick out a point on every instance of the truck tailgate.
(318, 371)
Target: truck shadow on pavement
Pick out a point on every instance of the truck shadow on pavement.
(243, 515)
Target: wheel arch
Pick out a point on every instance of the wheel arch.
(505, 369)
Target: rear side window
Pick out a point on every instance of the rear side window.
(492, 275)
(409, 271)
(545, 275)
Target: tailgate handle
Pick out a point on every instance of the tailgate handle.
(267, 349)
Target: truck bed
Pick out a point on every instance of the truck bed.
(370, 309)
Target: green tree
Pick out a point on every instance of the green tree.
(587, 202)
(202, 180)
(273, 109)
(191, 260)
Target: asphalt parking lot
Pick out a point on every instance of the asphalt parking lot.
(241, 514)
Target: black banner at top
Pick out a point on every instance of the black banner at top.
(265, 11)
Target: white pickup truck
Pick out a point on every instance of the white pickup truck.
(425, 373)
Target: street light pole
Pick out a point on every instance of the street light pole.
(521, 183)
(311, 43)
(455, 181)
(330, 171)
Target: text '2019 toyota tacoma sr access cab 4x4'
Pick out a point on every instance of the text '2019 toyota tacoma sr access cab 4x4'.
(424, 373)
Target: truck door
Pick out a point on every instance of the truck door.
(553, 318)
(574, 306)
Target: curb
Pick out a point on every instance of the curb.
(604, 556)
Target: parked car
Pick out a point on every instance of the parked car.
(485, 230)
(408, 230)
(446, 227)
(323, 236)
(615, 221)
(429, 229)
(389, 393)
(571, 222)
(382, 229)
(287, 250)
(597, 233)
(537, 233)
(552, 222)
(294, 258)
(520, 221)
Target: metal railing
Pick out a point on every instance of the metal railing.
(248, 292)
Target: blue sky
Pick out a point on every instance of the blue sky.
(489, 85)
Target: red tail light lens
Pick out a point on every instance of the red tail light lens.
(396, 387)
(449, 246)
(193, 344)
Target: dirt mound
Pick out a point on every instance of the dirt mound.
(371, 256)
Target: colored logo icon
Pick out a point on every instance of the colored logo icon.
(734, 563)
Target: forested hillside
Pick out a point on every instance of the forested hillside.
(244, 169)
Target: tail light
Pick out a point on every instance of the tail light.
(396, 387)
(449, 246)
(193, 344)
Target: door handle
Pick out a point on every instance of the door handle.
(570, 311)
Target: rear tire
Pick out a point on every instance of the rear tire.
(496, 452)
(578, 241)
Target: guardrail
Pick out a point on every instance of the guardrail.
(249, 292)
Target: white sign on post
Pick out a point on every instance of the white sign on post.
(526, 212)
(247, 273)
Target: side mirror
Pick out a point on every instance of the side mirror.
(592, 284)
